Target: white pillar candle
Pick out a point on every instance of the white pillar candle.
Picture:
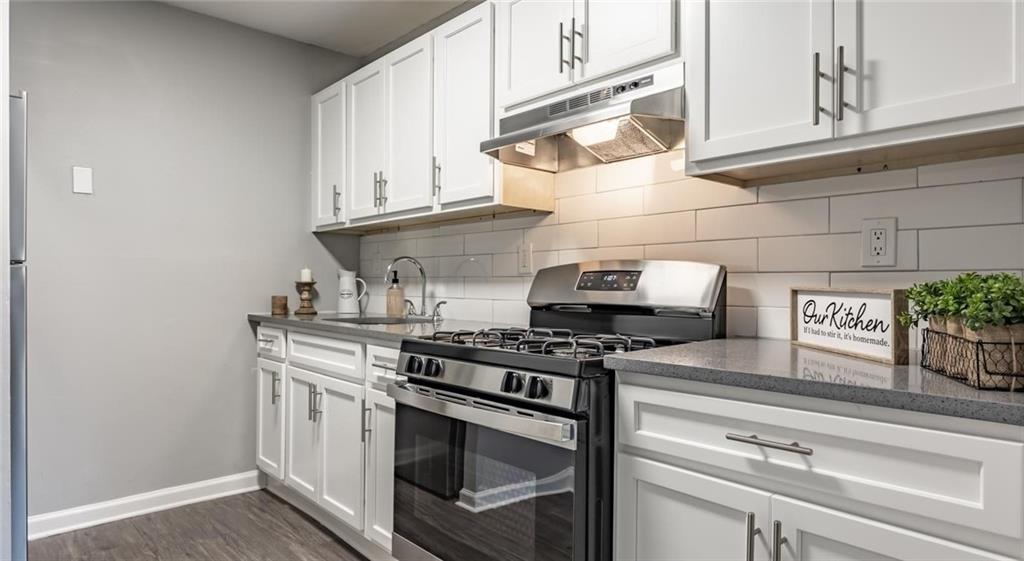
(306, 275)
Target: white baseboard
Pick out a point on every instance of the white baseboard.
(58, 522)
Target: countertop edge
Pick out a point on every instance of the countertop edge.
(1003, 413)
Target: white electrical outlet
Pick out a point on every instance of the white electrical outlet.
(526, 259)
(878, 241)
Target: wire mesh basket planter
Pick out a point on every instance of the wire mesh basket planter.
(979, 364)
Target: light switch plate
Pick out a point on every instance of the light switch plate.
(878, 242)
(81, 180)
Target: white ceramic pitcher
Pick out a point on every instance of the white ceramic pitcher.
(349, 293)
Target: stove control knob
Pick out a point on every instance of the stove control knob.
(433, 368)
(512, 382)
(414, 365)
(537, 387)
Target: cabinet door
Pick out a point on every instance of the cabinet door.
(410, 169)
(302, 465)
(910, 63)
(380, 466)
(666, 513)
(815, 533)
(366, 133)
(751, 78)
(463, 116)
(618, 35)
(532, 48)
(270, 420)
(341, 439)
(328, 174)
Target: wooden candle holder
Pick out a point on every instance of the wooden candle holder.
(305, 290)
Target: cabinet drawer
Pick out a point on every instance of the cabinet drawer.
(270, 343)
(968, 480)
(326, 355)
(381, 364)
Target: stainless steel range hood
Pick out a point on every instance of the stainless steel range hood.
(604, 125)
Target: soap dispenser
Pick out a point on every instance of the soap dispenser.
(396, 298)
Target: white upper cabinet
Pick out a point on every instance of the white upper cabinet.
(409, 171)
(366, 146)
(328, 177)
(918, 62)
(533, 44)
(613, 35)
(544, 46)
(463, 105)
(757, 75)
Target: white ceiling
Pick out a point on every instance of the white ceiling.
(352, 27)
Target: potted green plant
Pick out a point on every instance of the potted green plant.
(987, 309)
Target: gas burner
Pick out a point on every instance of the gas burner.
(554, 342)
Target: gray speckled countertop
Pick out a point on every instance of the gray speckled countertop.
(384, 332)
(778, 366)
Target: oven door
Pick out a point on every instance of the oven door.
(477, 480)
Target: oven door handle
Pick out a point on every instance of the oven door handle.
(561, 434)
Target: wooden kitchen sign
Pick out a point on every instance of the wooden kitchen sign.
(855, 322)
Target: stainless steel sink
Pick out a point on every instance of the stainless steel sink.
(380, 320)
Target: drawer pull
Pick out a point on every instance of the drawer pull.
(267, 341)
(384, 367)
(753, 439)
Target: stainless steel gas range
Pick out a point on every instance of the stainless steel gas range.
(504, 438)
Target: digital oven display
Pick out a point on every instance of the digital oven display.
(623, 281)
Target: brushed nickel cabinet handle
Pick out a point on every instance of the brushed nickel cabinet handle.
(437, 176)
(365, 420)
(376, 191)
(840, 80)
(572, 44)
(275, 384)
(315, 401)
(383, 190)
(777, 540)
(753, 439)
(752, 532)
(562, 38)
(337, 208)
(267, 341)
(816, 88)
(309, 402)
(384, 367)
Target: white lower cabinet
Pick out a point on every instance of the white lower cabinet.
(666, 514)
(302, 437)
(815, 533)
(270, 417)
(331, 437)
(339, 409)
(380, 466)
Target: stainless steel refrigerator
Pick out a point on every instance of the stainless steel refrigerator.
(19, 308)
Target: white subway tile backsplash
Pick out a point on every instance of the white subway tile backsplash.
(770, 238)
(773, 323)
(769, 289)
(844, 185)
(985, 169)
(504, 241)
(985, 247)
(736, 255)
(576, 182)
(511, 313)
(626, 202)
(972, 204)
(740, 322)
(692, 193)
(829, 252)
(647, 230)
(563, 236)
(440, 245)
(641, 171)
(598, 254)
(769, 219)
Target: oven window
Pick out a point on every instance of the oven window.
(468, 492)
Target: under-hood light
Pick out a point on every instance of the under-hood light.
(596, 133)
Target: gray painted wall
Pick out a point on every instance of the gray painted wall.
(198, 132)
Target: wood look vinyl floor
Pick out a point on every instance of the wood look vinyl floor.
(253, 526)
